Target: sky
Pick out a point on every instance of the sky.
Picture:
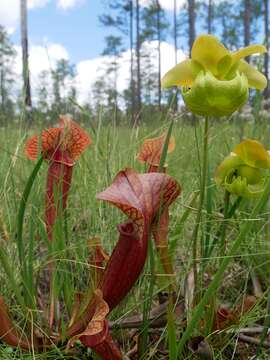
(70, 29)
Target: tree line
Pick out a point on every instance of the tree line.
(132, 25)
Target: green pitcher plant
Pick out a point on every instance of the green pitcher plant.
(215, 81)
(244, 171)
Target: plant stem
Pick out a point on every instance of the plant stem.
(148, 302)
(230, 214)
(263, 336)
(199, 310)
(201, 201)
(224, 224)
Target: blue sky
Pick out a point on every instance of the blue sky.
(70, 29)
(77, 29)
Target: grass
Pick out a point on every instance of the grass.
(113, 149)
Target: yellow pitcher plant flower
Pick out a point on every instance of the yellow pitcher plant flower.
(215, 81)
(243, 172)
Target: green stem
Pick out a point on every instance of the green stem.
(224, 224)
(26, 280)
(148, 302)
(202, 196)
(263, 336)
(199, 310)
(230, 214)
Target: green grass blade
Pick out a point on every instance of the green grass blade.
(165, 148)
(4, 259)
(20, 242)
(148, 302)
(171, 330)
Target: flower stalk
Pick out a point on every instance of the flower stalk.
(203, 180)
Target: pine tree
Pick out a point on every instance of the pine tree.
(26, 74)
(7, 56)
(266, 40)
(113, 49)
(121, 17)
(175, 38)
(191, 23)
(62, 75)
(228, 15)
(43, 92)
(138, 103)
(246, 19)
(154, 26)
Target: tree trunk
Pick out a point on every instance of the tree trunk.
(26, 77)
(2, 89)
(266, 35)
(138, 56)
(209, 17)
(191, 23)
(247, 13)
(159, 53)
(175, 48)
(132, 92)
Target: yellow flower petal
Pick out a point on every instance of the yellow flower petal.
(183, 74)
(224, 65)
(248, 50)
(208, 51)
(256, 79)
(253, 153)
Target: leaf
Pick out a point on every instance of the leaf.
(96, 335)
(140, 196)
(8, 332)
(151, 150)
(64, 143)
(199, 346)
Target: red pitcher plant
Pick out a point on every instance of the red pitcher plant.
(141, 197)
(150, 154)
(61, 146)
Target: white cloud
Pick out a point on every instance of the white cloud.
(88, 71)
(9, 14)
(68, 4)
(37, 3)
(165, 4)
(40, 58)
(169, 4)
(10, 10)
